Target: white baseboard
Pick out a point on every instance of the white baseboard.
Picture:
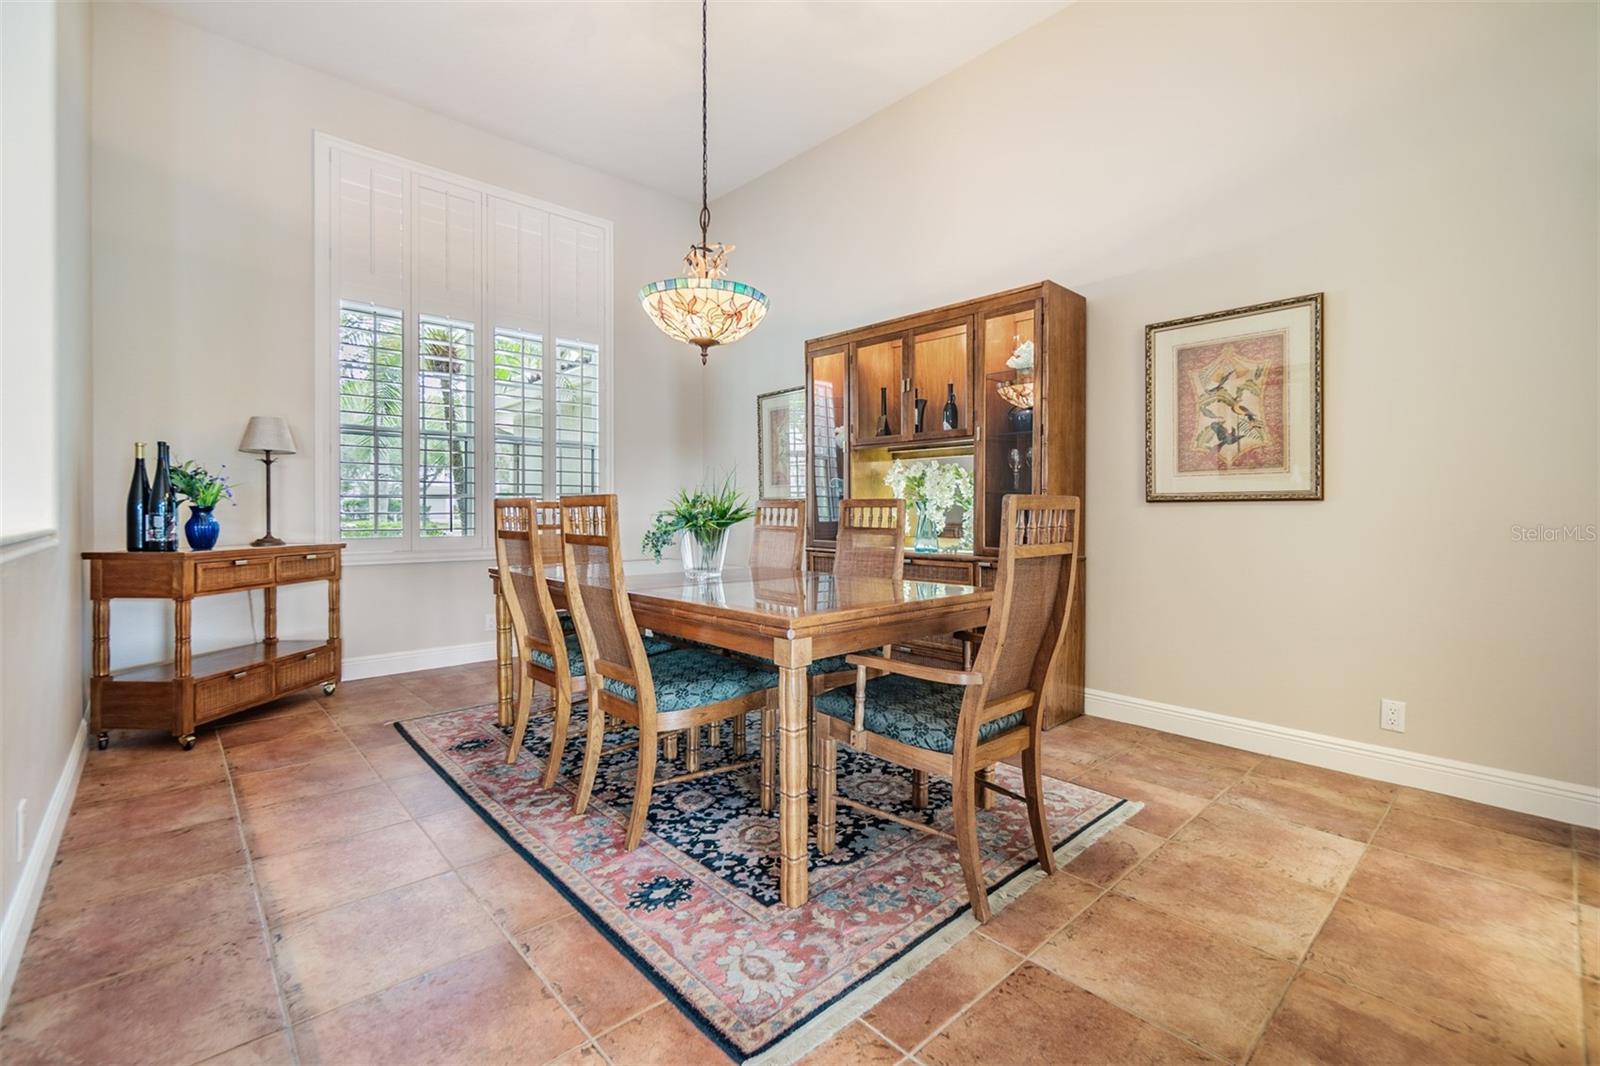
(404, 662)
(18, 920)
(1546, 797)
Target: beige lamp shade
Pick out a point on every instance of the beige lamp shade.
(267, 433)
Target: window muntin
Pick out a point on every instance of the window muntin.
(446, 466)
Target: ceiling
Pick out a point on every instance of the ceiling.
(616, 86)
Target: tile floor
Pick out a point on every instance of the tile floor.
(301, 887)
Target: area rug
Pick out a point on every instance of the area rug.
(695, 907)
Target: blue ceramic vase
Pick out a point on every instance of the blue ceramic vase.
(201, 529)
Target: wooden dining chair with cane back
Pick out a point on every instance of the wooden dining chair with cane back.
(674, 691)
(960, 722)
(871, 544)
(528, 539)
(779, 540)
(548, 653)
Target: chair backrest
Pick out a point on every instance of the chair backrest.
(523, 530)
(597, 596)
(779, 540)
(871, 539)
(1035, 583)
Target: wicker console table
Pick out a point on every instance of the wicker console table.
(193, 689)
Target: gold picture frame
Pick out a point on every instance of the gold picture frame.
(1233, 404)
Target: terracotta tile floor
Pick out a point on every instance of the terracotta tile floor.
(301, 887)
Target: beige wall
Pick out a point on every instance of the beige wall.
(203, 303)
(42, 653)
(1433, 170)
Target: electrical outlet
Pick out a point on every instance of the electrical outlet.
(1392, 716)
(22, 830)
(488, 623)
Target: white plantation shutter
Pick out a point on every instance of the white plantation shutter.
(578, 313)
(471, 329)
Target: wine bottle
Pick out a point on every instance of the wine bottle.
(883, 412)
(158, 511)
(138, 499)
(921, 407)
(952, 417)
(172, 517)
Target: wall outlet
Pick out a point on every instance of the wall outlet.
(488, 623)
(22, 830)
(1392, 716)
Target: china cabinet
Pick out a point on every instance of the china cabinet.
(993, 386)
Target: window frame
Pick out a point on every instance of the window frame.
(412, 546)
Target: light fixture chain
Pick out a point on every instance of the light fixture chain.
(705, 134)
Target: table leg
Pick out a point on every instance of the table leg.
(792, 657)
(504, 679)
(101, 670)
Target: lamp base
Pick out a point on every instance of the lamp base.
(268, 541)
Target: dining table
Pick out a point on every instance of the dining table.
(792, 618)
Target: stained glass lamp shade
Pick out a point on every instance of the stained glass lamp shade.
(704, 311)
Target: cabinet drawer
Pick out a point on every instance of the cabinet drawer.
(232, 574)
(307, 567)
(986, 572)
(950, 572)
(217, 696)
(305, 669)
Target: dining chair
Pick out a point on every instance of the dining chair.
(547, 651)
(528, 539)
(676, 690)
(960, 722)
(779, 541)
(871, 544)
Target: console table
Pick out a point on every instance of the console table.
(193, 689)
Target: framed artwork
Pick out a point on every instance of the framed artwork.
(781, 443)
(1233, 404)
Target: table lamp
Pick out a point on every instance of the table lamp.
(266, 436)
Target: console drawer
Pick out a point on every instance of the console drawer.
(216, 696)
(232, 574)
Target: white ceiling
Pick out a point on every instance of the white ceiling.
(616, 86)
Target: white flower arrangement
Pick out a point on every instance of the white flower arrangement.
(930, 485)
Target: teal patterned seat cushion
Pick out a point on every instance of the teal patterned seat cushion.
(693, 677)
(652, 646)
(915, 712)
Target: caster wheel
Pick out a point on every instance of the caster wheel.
(187, 742)
(103, 741)
(327, 689)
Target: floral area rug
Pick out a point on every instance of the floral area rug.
(695, 907)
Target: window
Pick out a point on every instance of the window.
(467, 353)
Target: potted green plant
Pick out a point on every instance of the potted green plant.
(704, 517)
(204, 490)
(933, 488)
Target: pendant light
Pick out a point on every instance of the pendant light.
(704, 308)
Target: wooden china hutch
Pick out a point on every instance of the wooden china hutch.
(862, 388)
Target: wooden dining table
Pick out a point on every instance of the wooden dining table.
(792, 618)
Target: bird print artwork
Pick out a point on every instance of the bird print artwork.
(1231, 401)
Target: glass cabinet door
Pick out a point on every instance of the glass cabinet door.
(827, 442)
(1006, 444)
(941, 381)
(878, 388)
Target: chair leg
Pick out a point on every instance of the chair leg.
(691, 754)
(919, 789)
(739, 745)
(985, 797)
(769, 755)
(962, 786)
(641, 790)
(671, 745)
(1033, 788)
(591, 757)
(827, 805)
(558, 737)
(520, 728)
